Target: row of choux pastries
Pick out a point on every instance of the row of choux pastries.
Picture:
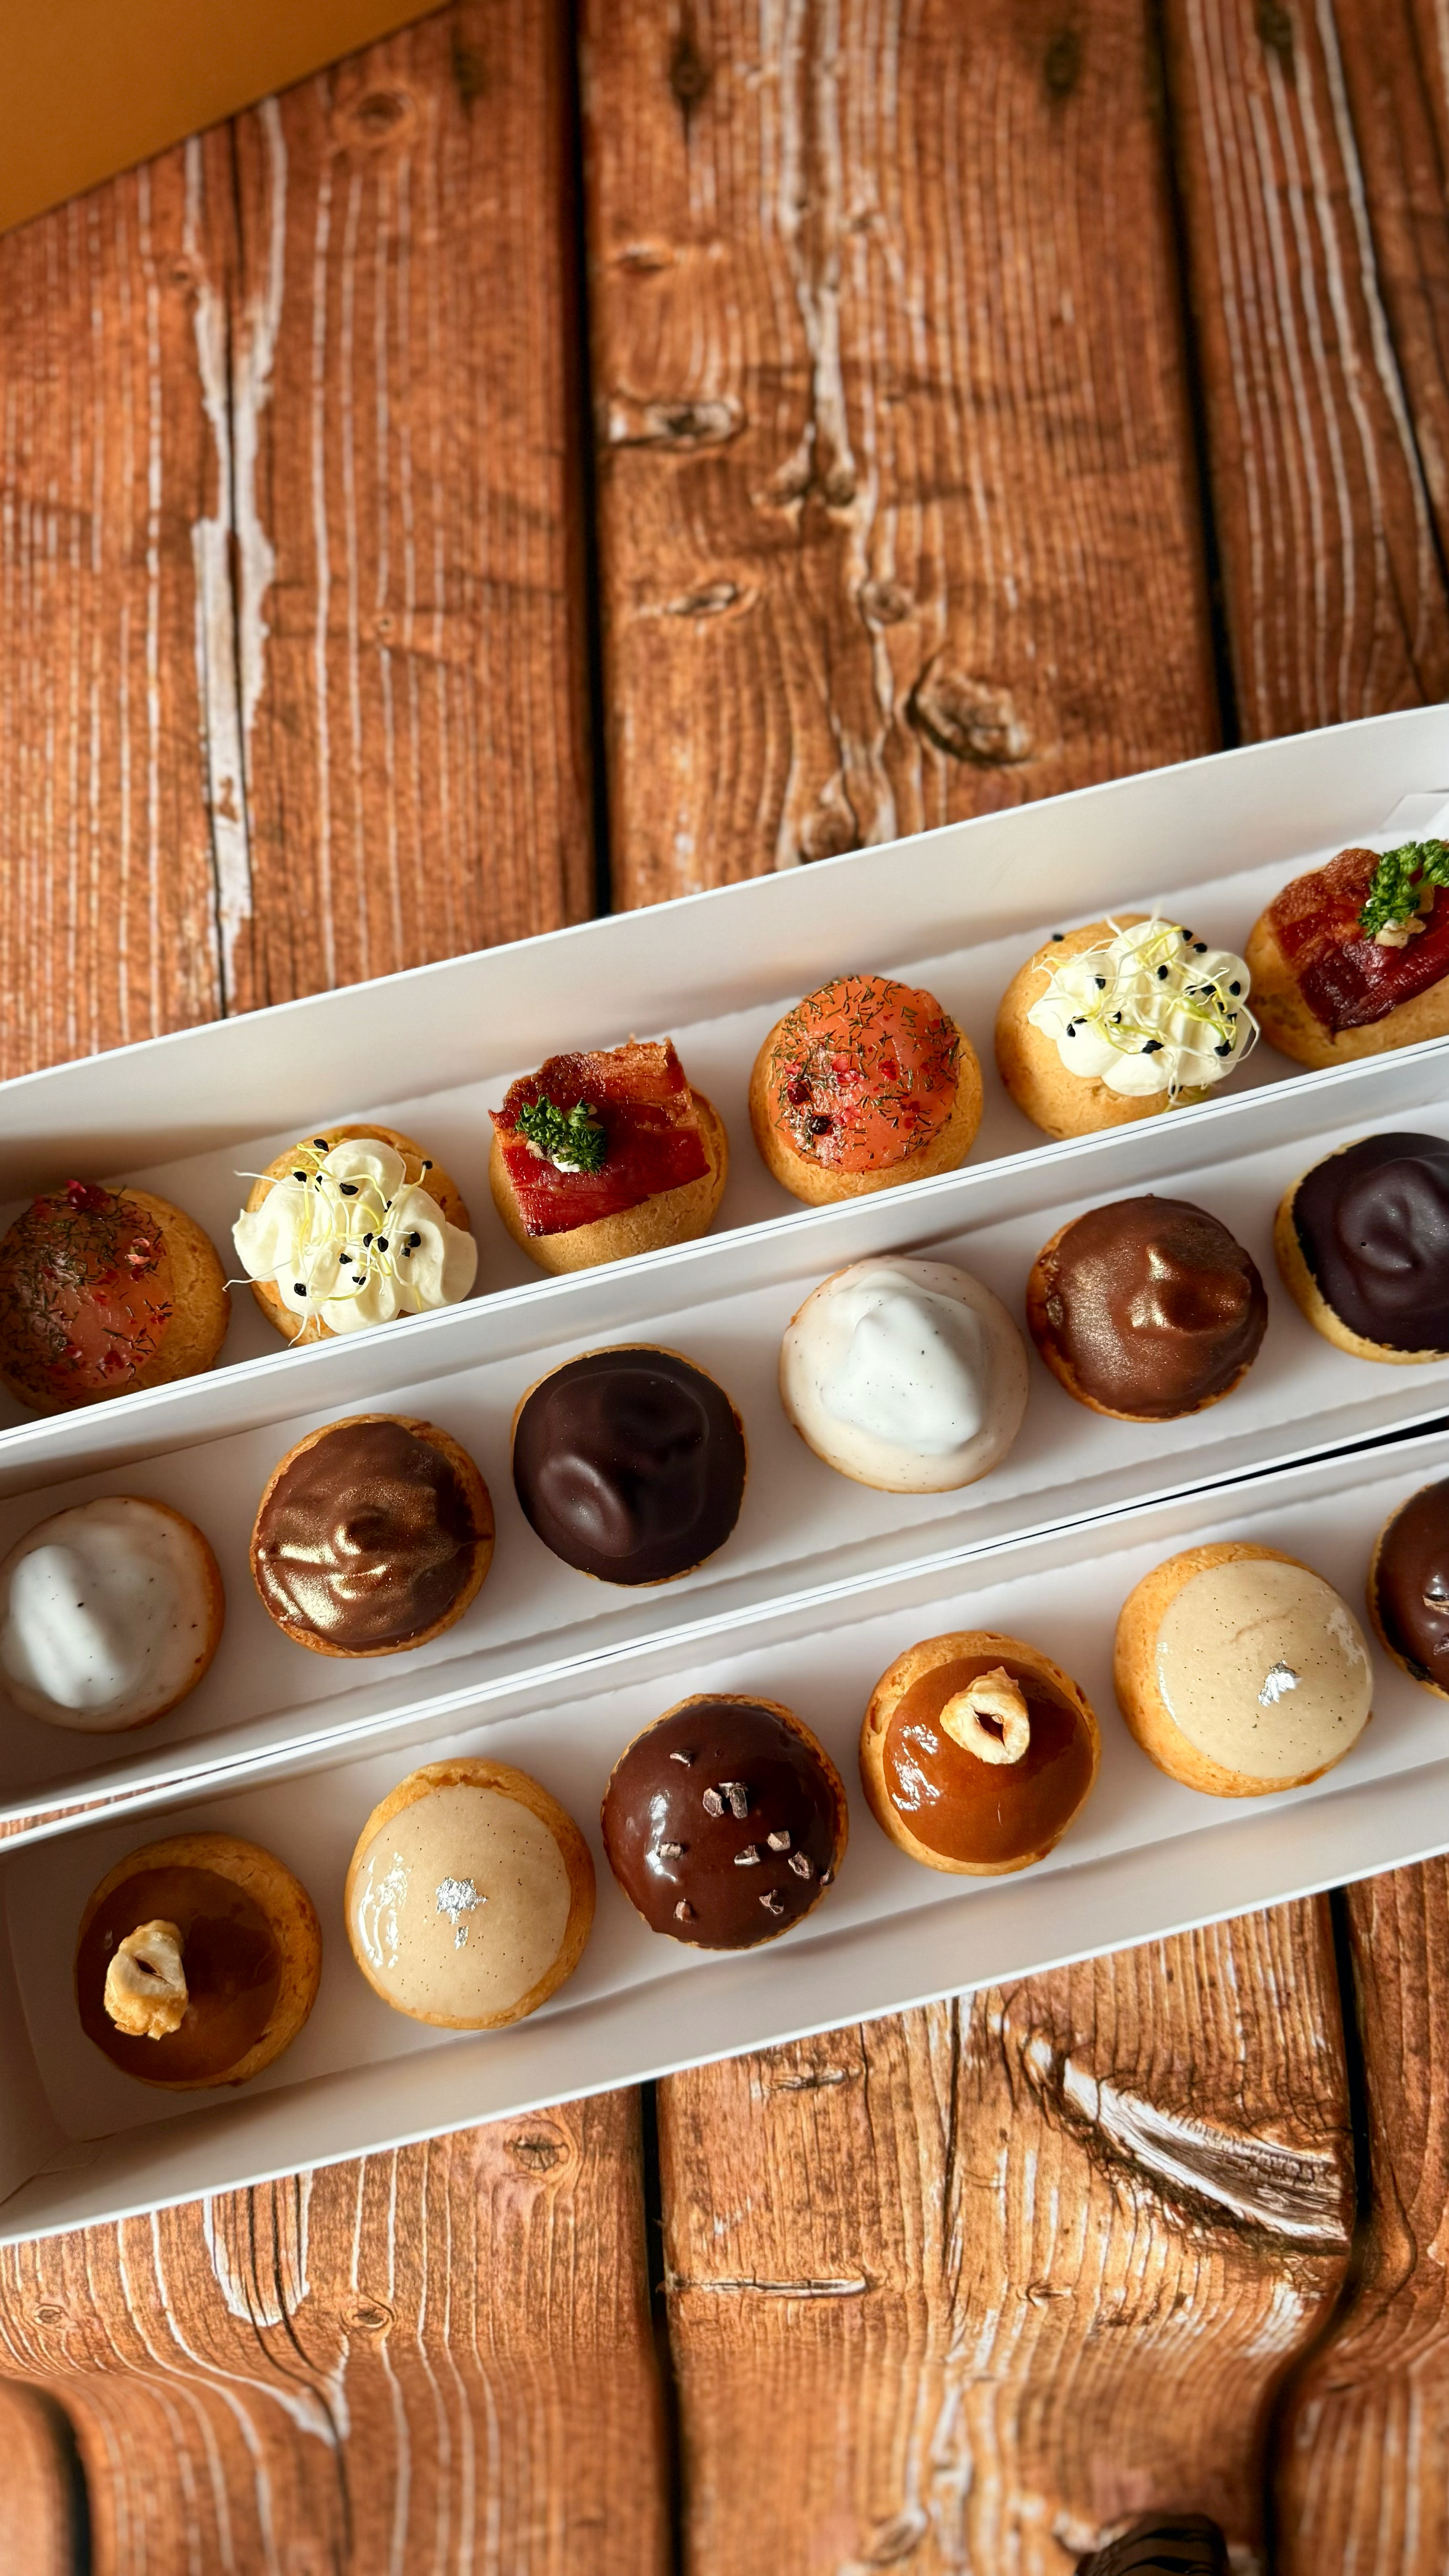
(374, 1534)
(864, 1085)
(470, 1894)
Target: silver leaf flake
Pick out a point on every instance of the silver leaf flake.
(1277, 1681)
(457, 1897)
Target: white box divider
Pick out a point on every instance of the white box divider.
(79, 2143)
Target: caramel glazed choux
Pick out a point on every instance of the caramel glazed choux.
(1240, 1671)
(976, 1752)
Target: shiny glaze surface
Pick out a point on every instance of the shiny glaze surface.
(1373, 1228)
(1411, 1584)
(630, 1464)
(862, 1073)
(1154, 1306)
(367, 1538)
(85, 1295)
(987, 1813)
(688, 1817)
(231, 1962)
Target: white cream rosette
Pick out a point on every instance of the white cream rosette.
(1151, 1010)
(354, 1241)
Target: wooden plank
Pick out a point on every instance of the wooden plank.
(1363, 2458)
(432, 2360)
(39, 2487)
(897, 511)
(1010, 2269)
(1312, 177)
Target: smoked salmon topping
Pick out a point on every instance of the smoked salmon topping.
(638, 1096)
(1348, 979)
(862, 1074)
(85, 1294)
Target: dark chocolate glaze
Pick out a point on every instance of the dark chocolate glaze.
(1154, 1307)
(232, 1965)
(1411, 1584)
(989, 1813)
(1373, 1227)
(1162, 2544)
(689, 1813)
(630, 1464)
(367, 1539)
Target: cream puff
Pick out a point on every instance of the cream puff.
(372, 1536)
(1362, 1241)
(906, 1375)
(1240, 1671)
(1121, 1020)
(864, 1085)
(1147, 1309)
(197, 1962)
(602, 1155)
(104, 1292)
(1408, 1587)
(469, 1896)
(109, 1614)
(629, 1463)
(351, 1228)
(976, 1752)
(1353, 958)
(724, 1821)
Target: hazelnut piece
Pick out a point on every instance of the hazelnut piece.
(989, 1718)
(146, 1982)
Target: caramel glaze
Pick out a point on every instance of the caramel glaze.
(232, 1966)
(1411, 1585)
(630, 1464)
(367, 1539)
(1373, 1227)
(985, 1812)
(1155, 1307)
(674, 1834)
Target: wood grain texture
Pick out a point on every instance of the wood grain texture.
(1363, 2470)
(37, 2484)
(425, 2363)
(1023, 2265)
(1311, 163)
(897, 515)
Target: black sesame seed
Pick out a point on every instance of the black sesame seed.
(299, 1176)
(415, 1240)
(1116, 1019)
(299, 1287)
(1101, 983)
(1059, 934)
(1199, 948)
(348, 1189)
(1235, 989)
(1162, 974)
(1225, 1049)
(367, 1239)
(382, 1243)
(1153, 1047)
(1071, 1028)
(321, 1144)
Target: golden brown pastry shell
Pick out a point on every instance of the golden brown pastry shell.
(291, 1917)
(1062, 1103)
(578, 1861)
(439, 1184)
(820, 1185)
(671, 1216)
(891, 1689)
(1134, 1673)
(478, 1495)
(796, 1726)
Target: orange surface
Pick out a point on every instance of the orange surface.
(89, 86)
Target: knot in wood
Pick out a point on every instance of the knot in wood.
(538, 2150)
(689, 73)
(1062, 64)
(370, 2316)
(375, 120)
(967, 718)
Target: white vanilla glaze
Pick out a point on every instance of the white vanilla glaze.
(307, 1239)
(906, 1375)
(106, 1614)
(460, 1904)
(1150, 1010)
(1264, 1668)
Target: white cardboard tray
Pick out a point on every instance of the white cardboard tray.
(802, 1526)
(80, 2143)
(207, 1444)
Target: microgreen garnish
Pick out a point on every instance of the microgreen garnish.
(1398, 881)
(572, 1140)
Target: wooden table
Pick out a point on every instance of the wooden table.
(534, 466)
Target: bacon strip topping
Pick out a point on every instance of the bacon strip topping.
(1346, 980)
(641, 1098)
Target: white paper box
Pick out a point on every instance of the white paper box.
(1213, 840)
(79, 2142)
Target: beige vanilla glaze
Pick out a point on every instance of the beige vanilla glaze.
(460, 1904)
(1227, 1643)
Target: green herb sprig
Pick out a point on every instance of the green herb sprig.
(1398, 878)
(573, 1140)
